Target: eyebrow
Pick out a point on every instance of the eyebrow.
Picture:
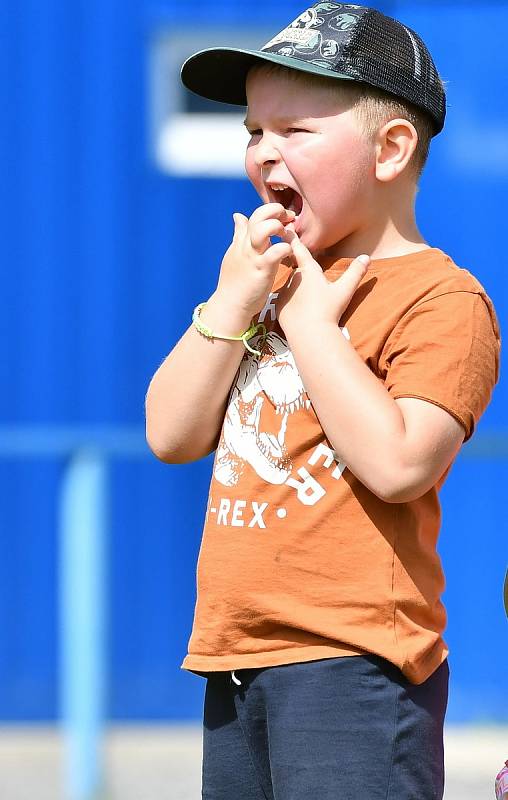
(249, 123)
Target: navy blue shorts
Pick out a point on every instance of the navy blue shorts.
(336, 729)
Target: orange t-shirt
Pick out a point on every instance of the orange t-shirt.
(299, 560)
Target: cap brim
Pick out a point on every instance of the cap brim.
(220, 73)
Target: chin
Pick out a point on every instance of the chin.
(312, 243)
(315, 237)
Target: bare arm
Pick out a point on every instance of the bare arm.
(186, 399)
(397, 448)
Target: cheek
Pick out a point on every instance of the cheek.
(348, 174)
(362, 161)
(252, 170)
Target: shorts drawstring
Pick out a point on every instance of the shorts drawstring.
(235, 679)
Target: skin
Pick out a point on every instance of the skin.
(358, 198)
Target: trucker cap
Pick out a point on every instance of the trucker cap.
(335, 40)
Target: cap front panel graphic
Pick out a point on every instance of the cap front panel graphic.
(322, 30)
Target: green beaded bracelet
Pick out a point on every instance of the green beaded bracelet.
(204, 330)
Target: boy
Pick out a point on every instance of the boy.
(337, 389)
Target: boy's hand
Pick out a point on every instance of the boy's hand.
(309, 298)
(251, 261)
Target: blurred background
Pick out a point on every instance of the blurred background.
(116, 194)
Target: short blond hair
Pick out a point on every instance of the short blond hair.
(373, 106)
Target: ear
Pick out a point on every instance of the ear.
(395, 144)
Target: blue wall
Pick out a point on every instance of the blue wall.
(103, 258)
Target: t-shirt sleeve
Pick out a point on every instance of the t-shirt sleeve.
(445, 350)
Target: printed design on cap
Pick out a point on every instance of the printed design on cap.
(273, 380)
(323, 30)
(343, 22)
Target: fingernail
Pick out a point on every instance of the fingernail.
(364, 260)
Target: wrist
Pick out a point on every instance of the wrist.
(224, 316)
(317, 328)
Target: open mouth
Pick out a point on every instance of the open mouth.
(289, 198)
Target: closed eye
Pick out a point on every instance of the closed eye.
(259, 132)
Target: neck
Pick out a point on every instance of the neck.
(390, 230)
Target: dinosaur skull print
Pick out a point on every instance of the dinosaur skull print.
(274, 379)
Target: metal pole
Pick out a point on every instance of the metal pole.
(83, 539)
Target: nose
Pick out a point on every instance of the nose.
(266, 151)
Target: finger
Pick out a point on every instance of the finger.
(260, 233)
(277, 253)
(303, 256)
(272, 211)
(348, 283)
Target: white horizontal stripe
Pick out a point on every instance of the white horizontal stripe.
(202, 144)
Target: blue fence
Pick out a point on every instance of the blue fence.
(103, 259)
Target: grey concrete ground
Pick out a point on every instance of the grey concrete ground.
(163, 763)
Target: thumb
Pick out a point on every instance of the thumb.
(349, 281)
(240, 222)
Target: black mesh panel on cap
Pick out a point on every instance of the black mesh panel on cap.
(386, 54)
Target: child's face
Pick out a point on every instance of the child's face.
(309, 140)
